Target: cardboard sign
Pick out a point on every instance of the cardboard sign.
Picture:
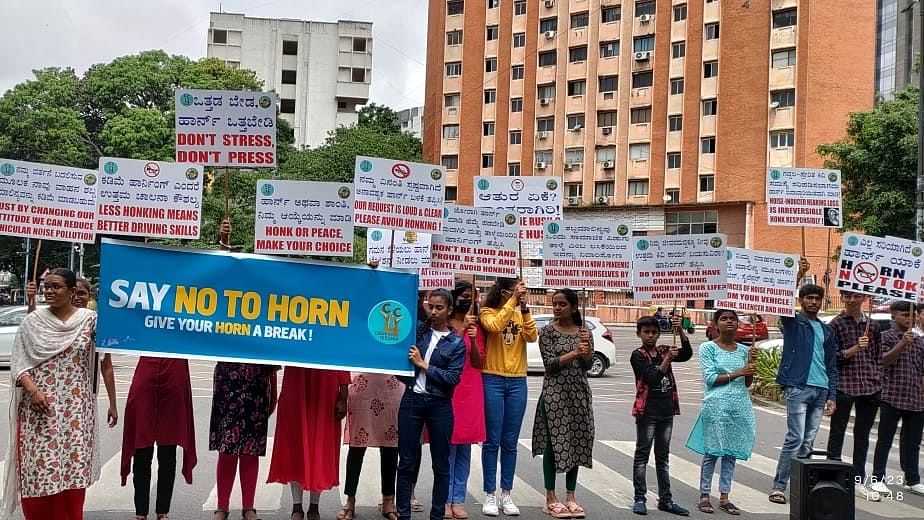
(804, 197)
(761, 282)
(877, 266)
(587, 254)
(47, 201)
(477, 241)
(149, 198)
(304, 218)
(436, 279)
(399, 195)
(412, 249)
(536, 199)
(679, 267)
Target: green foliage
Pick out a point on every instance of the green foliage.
(764, 384)
(381, 117)
(139, 133)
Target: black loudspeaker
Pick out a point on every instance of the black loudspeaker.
(821, 489)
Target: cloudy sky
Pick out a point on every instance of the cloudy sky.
(79, 33)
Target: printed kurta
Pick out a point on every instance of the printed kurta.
(241, 401)
(372, 411)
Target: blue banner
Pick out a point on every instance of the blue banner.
(250, 308)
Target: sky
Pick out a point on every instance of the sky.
(80, 33)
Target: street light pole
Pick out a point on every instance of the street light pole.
(919, 189)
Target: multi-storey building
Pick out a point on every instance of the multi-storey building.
(411, 120)
(321, 71)
(898, 41)
(663, 112)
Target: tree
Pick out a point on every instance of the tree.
(878, 163)
(381, 117)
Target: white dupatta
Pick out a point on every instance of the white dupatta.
(40, 337)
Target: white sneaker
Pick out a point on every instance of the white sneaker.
(880, 487)
(867, 493)
(917, 489)
(510, 509)
(490, 505)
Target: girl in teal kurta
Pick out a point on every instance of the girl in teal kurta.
(725, 429)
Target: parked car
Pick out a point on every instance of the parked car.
(746, 330)
(10, 318)
(604, 349)
(883, 319)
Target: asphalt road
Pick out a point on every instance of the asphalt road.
(605, 491)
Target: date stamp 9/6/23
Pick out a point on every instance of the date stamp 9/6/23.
(875, 489)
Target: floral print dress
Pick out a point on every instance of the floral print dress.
(241, 408)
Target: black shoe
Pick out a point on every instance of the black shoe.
(671, 507)
(640, 508)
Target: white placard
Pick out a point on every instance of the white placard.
(532, 277)
(226, 128)
(587, 254)
(149, 198)
(536, 199)
(760, 282)
(47, 201)
(412, 249)
(804, 197)
(399, 194)
(436, 279)
(679, 267)
(876, 266)
(304, 218)
(531, 249)
(477, 241)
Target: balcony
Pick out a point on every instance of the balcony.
(575, 104)
(574, 138)
(638, 169)
(782, 118)
(346, 89)
(607, 100)
(783, 38)
(604, 174)
(608, 66)
(643, 64)
(449, 146)
(784, 77)
(781, 157)
(359, 60)
(573, 174)
(604, 139)
(640, 132)
(640, 28)
(577, 70)
(640, 97)
(610, 31)
(577, 37)
(546, 74)
(545, 110)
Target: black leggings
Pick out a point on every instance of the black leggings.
(354, 466)
(141, 478)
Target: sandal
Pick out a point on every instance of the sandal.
(458, 512)
(556, 510)
(390, 515)
(344, 514)
(575, 509)
(729, 508)
(416, 506)
(224, 514)
(300, 515)
(705, 506)
(777, 497)
(244, 514)
(313, 515)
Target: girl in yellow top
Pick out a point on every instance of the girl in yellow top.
(509, 326)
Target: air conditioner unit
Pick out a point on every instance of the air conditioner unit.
(645, 18)
(603, 200)
(576, 128)
(543, 101)
(569, 166)
(549, 35)
(607, 165)
(542, 134)
(574, 201)
(643, 56)
(607, 130)
(540, 165)
(550, 3)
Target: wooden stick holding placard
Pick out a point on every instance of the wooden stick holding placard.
(674, 329)
(802, 229)
(38, 254)
(227, 181)
(753, 330)
(869, 318)
(520, 257)
(584, 304)
(471, 309)
(391, 250)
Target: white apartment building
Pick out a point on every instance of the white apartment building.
(321, 71)
(411, 120)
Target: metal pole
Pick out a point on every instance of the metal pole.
(80, 265)
(919, 213)
(25, 272)
(70, 256)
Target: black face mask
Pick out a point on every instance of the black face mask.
(463, 305)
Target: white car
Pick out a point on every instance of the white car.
(10, 318)
(604, 349)
(884, 320)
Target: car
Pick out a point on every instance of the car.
(883, 319)
(604, 348)
(10, 318)
(746, 332)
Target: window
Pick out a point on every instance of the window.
(577, 87)
(452, 100)
(455, 7)
(219, 36)
(454, 38)
(519, 40)
(783, 59)
(487, 160)
(673, 196)
(604, 189)
(712, 31)
(452, 193)
(359, 75)
(642, 79)
(710, 107)
(782, 139)
(783, 98)
(519, 7)
(547, 59)
(786, 18)
(707, 183)
(516, 137)
(574, 155)
(450, 131)
(450, 162)
(546, 91)
(516, 104)
(707, 145)
(638, 188)
(674, 123)
(579, 20)
(640, 115)
(645, 7)
(487, 128)
(454, 68)
(513, 169)
(606, 154)
(643, 43)
(574, 189)
(710, 69)
(575, 121)
(609, 83)
(676, 86)
(359, 45)
(493, 4)
(544, 156)
(691, 222)
(639, 151)
(490, 96)
(289, 48)
(576, 54)
(289, 77)
(609, 49)
(287, 106)
(548, 24)
(611, 14)
(517, 72)
(492, 32)
(678, 49)
(680, 12)
(673, 160)
(545, 124)
(490, 64)
(606, 118)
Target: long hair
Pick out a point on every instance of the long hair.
(462, 286)
(572, 298)
(493, 299)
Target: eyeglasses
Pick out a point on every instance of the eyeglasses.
(55, 287)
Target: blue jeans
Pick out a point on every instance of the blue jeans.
(804, 407)
(460, 464)
(726, 473)
(415, 412)
(504, 408)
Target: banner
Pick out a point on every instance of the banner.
(586, 254)
(804, 197)
(760, 282)
(399, 194)
(412, 249)
(47, 201)
(532, 277)
(304, 218)
(477, 241)
(877, 266)
(679, 267)
(536, 199)
(149, 198)
(436, 279)
(226, 128)
(247, 308)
